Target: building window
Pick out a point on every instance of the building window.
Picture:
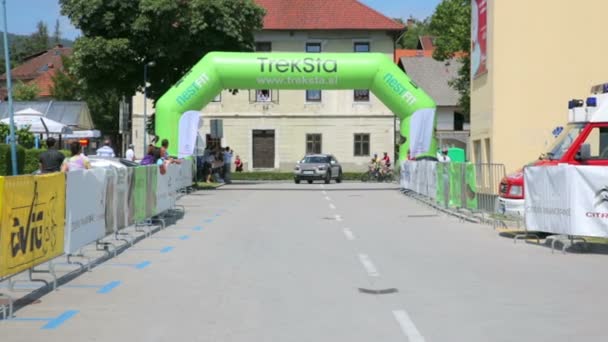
(218, 98)
(263, 46)
(313, 96)
(361, 95)
(313, 47)
(313, 143)
(361, 144)
(362, 47)
(263, 95)
(488, 150)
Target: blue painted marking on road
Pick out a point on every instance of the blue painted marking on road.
(167, 249)
(197, 228)
(109, 287)
(30, 319)
(209, 220)
(218, 215)
(184, 237)
(57, 322)
(142, 265)
(73, 286)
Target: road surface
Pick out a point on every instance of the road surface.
(340, 262)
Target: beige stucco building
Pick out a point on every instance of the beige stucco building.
(540, 54)
(271, 130)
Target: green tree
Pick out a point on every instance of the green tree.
(65, 85)
(25, 137)
(5, 131)
(25, 92)
(39, 40)
(451, 26)
(57, 33)
(411, 37)
(120, 36)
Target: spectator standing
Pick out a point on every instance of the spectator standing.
(106, 150)
(164, 146)
(238, 164)
(130, 154)
(443, 156)
(51, 159)
(227, 164)
(77, 161)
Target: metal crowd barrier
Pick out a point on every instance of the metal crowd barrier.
(48, 216)
(473, 187)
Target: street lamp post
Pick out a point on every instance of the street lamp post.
(148, 64)
(9, 88)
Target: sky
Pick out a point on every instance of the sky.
(24, 14)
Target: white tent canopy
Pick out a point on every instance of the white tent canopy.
(29, 111)
(34, 119)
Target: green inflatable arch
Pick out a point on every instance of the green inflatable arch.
(238, 70)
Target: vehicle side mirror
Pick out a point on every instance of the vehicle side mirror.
(332, 162)
(298, 162)
(584, 153)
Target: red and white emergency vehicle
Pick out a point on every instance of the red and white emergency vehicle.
(584, 141)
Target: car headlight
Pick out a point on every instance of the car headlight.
(297, 168)
(516, 190)
(321, 168)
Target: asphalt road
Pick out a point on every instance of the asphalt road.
(340, 262)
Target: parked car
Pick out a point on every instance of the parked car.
(313, 167)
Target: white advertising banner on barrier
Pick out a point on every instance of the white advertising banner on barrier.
(420, 177)
(165, 188)
(547, 199)
(85, 208)
(589, 200)
(406, 175)
(567, 200)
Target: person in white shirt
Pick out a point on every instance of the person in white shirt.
(130, 154)
(443, 156)
(106, 151)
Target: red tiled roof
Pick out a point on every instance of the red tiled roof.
(399, 53)
(426, 43)
(411, 53)
(39, 69)
(324, 15)
(45, 82)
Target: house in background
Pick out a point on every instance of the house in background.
(433, 76)
(38, 69)
(272, 129)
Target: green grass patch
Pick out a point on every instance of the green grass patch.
(281, 176)
(207, 186)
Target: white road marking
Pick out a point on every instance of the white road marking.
(338, 218)
(407, 326)
(368, 265)
(327, 198)
(349, 234)
(332, 206)
(324, 192)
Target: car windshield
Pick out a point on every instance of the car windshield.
(563, 142)
(316, 160)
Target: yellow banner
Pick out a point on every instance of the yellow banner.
(32, 221)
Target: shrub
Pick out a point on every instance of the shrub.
(32, 159)
(5, 160)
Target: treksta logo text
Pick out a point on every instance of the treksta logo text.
(298, 65)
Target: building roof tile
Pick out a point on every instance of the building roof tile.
(324, 15)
